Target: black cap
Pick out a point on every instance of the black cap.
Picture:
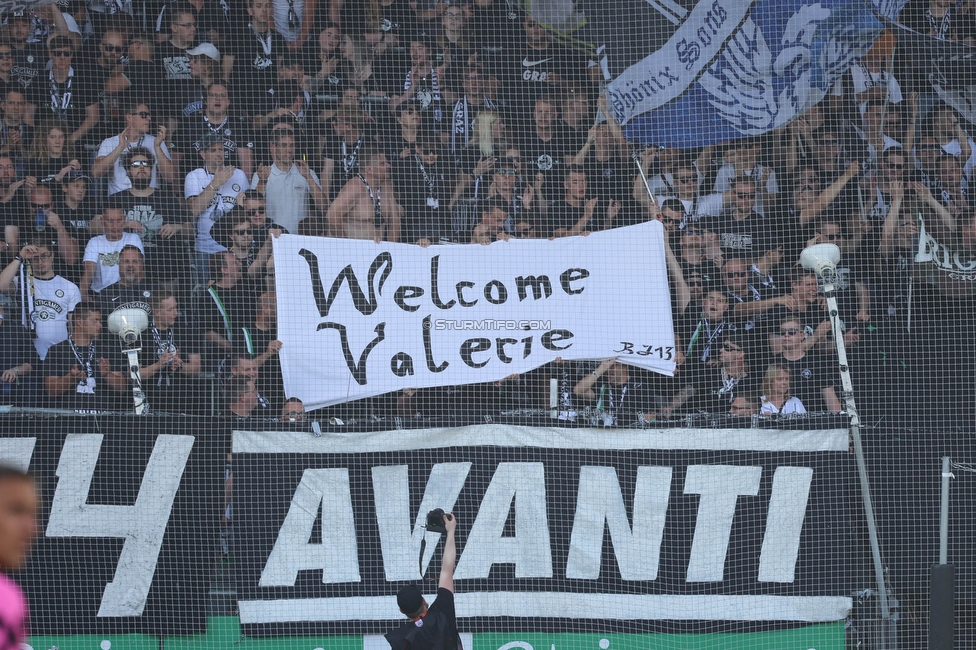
(410, 600)
(210, 139)
(75, 175)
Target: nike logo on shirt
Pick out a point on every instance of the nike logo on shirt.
(528, 64)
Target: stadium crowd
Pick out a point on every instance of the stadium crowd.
(150, 152)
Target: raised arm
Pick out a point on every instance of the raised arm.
(446, 580)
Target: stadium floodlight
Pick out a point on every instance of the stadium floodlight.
(129, 324)
(823, 259)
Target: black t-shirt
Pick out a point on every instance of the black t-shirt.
(153, 212)
(437, 630)
(16, 349)
(714, 392)
(424, 192)
(808, 377)
(270, 384)
(255, 69)
(563, 215)
(173, 66)
(93, 393)
(117, 295)
(65, 101)
(45, 170)
(238, 305)
(346, 159)
(528, 73)
(168, 389)
(28, 65)
(235, 133)
(545, 157)
(750, 237)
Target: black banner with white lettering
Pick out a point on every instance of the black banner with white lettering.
(128, 522)
(573, 527)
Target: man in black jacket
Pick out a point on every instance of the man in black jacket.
(431, 627)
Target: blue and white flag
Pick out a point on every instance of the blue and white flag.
(692, 74)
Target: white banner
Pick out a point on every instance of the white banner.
(359, 318)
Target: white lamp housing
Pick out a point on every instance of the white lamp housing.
(128, 324)
(822, 259)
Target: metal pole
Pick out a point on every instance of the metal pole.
(944, 513)
(138, 396)
(862, 472)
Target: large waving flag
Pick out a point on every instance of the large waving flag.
(697, 73)
(950, 67)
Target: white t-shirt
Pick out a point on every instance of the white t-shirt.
(223, 201)
(118, 180)
(287, 195)
(953, 148)
(105, 255)
(792, 405)
(863, 79)
(53, 301)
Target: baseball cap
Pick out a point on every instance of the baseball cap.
(75, 175)
(209, 140)
(410, 599)
(205, 49)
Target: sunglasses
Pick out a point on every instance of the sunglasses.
(694, 231)
(737, 274)
(256, 211)
(684, 179)
(245, 231)
(139, 163)
(143, 114)
(112, 48)
(789, 332)
(731, 348)
(63, 53)
(506, 172)
(833, 236)
(898, 166)
(745, 195)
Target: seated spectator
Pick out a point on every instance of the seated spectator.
(19, 360)
(156, 215)
(77, 373)
(211, 192)
(66, 94)
(288, 185)
(241, 398)
(101, 259)
(170, 363)
(136, 134)
(777, 397)
(293, 410)
(51, 155)
(75, 206)
(227, 305)
(366, 207)
(16, 136)
(47, 297)
(812, 372)
(132, 290)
